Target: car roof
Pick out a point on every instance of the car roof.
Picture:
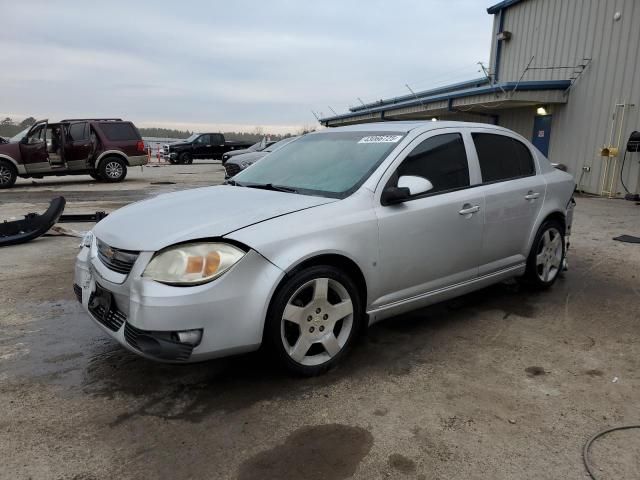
(407, 126)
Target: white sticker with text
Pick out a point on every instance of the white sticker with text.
(381, 139)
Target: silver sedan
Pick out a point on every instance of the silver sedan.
(333, 232)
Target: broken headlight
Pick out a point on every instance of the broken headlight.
(87, 240)
(192, 263)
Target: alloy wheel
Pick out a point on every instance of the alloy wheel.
(317, 321)
(549, 255)
(113, 170)
(5, 175)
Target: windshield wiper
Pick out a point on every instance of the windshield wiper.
(271, 186)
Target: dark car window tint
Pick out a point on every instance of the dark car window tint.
(78, 131)
(442, 160)
(203, 140)
(502, 158)
(217, 139)
(119, 131)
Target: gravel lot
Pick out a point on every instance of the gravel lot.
(504, 383)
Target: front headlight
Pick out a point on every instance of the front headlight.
(192, 263)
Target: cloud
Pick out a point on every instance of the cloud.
(230, 63)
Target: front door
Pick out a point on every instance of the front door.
(202, 146)
(542, 133)
(434, 240)
(33, 149)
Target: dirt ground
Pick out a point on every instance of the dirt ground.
(504, 383)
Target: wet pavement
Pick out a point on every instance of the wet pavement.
(503, 383)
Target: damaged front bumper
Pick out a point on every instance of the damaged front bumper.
(177, 324)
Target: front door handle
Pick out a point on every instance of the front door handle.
(531, 195)
(468, 209)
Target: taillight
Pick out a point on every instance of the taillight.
(140, 146)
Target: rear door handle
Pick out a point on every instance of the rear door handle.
(531, 195)
(468, 209)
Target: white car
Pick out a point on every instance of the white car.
(331, 233)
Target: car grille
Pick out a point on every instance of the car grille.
(113, 320)
(78, 291)
(232, 169)
(178, 352)
(120, 261)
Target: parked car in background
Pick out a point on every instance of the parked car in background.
(103, 148)
(240, 162)
(201, 145)
(337, 230)
(256, 147)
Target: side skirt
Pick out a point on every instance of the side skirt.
(446, 293)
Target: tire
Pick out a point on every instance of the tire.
(546, 258)
(313, 320)
(8, 174)
(185, 158)
(95, 175)
(112, 169)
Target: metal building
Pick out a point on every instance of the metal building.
(563, 73)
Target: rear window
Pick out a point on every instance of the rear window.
(119, 131)
(502, 158)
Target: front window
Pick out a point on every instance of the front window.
(331, 164)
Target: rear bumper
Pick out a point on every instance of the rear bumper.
(137, 160)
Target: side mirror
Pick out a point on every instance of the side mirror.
(416, 185)
(24, 140)
(392, 195)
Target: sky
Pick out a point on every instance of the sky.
(233, 65)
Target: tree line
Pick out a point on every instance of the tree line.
(9, 128)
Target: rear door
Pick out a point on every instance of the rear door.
(433, 240)
(514, 192)
(33, 148)
(218, 146)
(77, 146)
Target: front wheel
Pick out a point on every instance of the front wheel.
(112, 169)
(313, 319)
(547, 255)
(8, 174)
(185, 158)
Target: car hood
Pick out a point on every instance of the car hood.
(178, 144)
(194, 214)
(249, 157)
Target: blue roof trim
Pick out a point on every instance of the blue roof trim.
(476, 82)
(509, 86)
(502, 5)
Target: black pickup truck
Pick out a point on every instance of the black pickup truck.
(200, 145)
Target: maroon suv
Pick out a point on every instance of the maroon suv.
(102, 148)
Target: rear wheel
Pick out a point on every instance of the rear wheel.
(313, 319)
(547, 255)
(8, 174)
(112, 169)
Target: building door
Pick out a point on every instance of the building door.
(542, 133)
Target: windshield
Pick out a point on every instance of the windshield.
(191, 138)
(255, 147)
(332, 164)
(19, 136)
(277, 145)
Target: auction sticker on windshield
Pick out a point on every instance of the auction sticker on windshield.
(381, 139)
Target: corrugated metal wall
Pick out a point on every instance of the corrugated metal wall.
(562, 33)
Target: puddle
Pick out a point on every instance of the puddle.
(402, 463)
(323, 452)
